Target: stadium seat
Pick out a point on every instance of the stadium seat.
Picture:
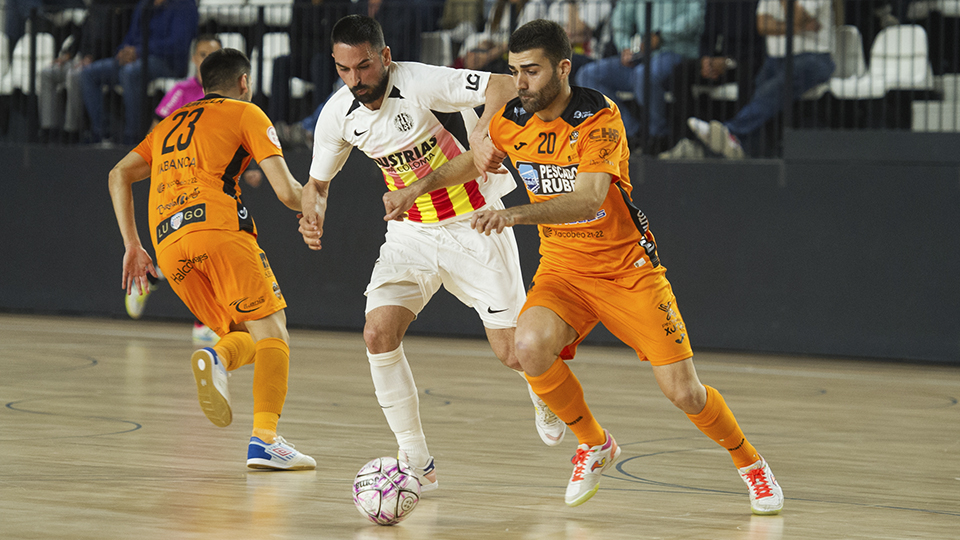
(275, 44)
(275, 12)
(899, 60)
(20, 60)
(233, 40)
(437, 48)
(849, 55)
(6, 78)
(227, 12)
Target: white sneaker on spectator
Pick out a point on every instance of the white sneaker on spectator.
(766, 497)
(550, 428)
(717, 137)
(685, 149)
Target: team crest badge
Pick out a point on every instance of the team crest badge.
(403, 122)
(176, 220)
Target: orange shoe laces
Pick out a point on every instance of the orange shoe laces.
(759, 483)
(579, 460)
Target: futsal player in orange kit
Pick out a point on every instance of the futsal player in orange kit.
(205, 241)
(598, 261)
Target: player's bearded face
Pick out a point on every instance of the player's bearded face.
(537, 100)
(373, 91)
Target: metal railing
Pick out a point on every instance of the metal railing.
(895, 65)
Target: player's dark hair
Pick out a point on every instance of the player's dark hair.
(206, 37)
(545, 35)
(357, 30)
(221, 69)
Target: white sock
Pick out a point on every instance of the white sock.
(397, 394)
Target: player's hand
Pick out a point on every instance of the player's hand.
(488, 221)
(137, 263)
(311, 227)
(396, 203)
(486, 157)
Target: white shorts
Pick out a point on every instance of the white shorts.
(482, 271)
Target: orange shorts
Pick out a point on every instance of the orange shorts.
(640, 309)
(222, 276)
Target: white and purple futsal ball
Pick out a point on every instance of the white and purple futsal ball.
(386, 491)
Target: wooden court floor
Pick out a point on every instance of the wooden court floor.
(102, 439)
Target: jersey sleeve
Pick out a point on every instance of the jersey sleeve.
(259, 135)
(602, 142)
(495, 130)
(145, 148)
(330, 151)
(445, 89)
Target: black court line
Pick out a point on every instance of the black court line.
(89, 363)
(13, 407)
(656, 484)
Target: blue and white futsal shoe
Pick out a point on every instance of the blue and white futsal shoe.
(212, 389)
(279, 455)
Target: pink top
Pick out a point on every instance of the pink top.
(182, 93)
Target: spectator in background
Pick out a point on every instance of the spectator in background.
(190, 89)
(731, 51)
(485, 50)
(402, 21)
(172, 25)
(309, 59)
(813, 41)
(583, 21)
(98, 36)
(17, 13)
(675, 35)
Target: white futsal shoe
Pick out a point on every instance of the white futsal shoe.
(427, 474)
(279, 455)
(550, 428)
(212, 389)
(766, 497)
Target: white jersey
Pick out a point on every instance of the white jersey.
(426, 116)
(820, 41)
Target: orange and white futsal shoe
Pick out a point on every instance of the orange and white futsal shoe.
(588, 466)
(766, 497)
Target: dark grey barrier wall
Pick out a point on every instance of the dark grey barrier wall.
(817, 254)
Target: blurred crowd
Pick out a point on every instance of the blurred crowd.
(692, 78)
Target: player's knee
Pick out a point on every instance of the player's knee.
(535, 349)
(688, 398)
(380, 339)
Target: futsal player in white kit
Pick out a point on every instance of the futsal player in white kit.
(410, 119)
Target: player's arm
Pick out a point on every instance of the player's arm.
(454, 172)
(486, 157)
(314, 211)
(136, 261)
(288, 190)
(590, 191)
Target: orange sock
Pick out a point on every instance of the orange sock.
(235, 349)
(271, 369)
(559, 388)
(716, 421)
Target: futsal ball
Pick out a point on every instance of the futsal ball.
(386, 491)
